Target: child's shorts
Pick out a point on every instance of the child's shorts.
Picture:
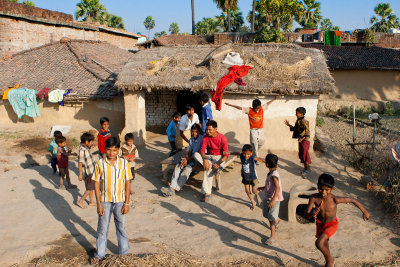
(329, 228)
(250, 182)
(273, 213)
(89, 183)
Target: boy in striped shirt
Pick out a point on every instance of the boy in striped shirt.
(112, 177)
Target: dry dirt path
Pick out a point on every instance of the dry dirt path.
(36, 216)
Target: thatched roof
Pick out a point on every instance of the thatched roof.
(277, 69)
(90, 68)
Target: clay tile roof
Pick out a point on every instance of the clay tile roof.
(358, 57)
(90, 68)
(277, 69)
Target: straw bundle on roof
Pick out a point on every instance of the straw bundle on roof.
(277, 69)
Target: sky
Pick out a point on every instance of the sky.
(347, 14)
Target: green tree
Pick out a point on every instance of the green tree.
(281, 13)
(236, 21)
(160, 34)
(89, 10)
(326, 25)
(387, 18)
(14, 1)
(311, 16)
(174, 28)
(227, 6)
(207, 26)
(28, 3)
(115, 22)
(149, 23)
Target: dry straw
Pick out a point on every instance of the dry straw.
(277, 69)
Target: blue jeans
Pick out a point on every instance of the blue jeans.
(102, 229)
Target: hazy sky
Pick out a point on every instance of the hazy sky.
(347, 14)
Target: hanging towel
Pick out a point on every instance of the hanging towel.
(234, 73)
(66, 93)
(56, 96)
(44, 93)
(8, 90)
(24, 102)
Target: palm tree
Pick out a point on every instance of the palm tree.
(174, 28)
(207, 26)
(387, 20)
(311, 15)
(89, 10)
(253, 16)
(115, 22)
(236, 21)
(227, 6)
(149, 23)
(193, 20)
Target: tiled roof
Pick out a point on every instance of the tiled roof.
(90, 68)
(359, 57)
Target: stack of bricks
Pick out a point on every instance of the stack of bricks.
(160, 105)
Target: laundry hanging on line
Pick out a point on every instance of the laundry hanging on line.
(5, 94)
(56, 96)
(23, 102)
(234, 73)
(44, 93)
(65, 93)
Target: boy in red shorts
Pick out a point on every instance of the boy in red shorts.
(323, 207)
(301, 132)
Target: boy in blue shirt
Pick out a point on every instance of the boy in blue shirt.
(53, 150)
(171, 132)
(248, 172)
(206, 113)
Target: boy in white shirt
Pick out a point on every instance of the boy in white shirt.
(185, 124)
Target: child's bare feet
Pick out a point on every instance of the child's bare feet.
(330, 262)
(81, 204)
(253, 204)
(259, 201)
(62, 187)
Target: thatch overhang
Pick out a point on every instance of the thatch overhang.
(286, 69)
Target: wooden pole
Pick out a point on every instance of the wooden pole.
(354, 124)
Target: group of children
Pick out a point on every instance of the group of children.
(110, 177)
(322, 205)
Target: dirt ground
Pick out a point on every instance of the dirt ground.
(44, 225)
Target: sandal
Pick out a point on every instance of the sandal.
(95, 260)
(205, 198)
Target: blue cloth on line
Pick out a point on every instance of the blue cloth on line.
(23, 102)
(66, 93)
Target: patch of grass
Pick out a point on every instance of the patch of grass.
(320, 121)
(10, 135)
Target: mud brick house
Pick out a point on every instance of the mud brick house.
(24, 27)
(89, 68)
(159, 81)
(364, 76)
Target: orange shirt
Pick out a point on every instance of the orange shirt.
(256, 119)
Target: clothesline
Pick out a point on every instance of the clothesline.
(24, 101)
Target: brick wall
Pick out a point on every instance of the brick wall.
(15, 8)
(160, 105)
(20, 34)
(387, 40)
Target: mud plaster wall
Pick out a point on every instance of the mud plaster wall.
(17, 35)
(235, 124)
(364, 88)
(81, 117)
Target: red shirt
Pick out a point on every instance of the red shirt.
(101, 140)
(217, 145)
(256, 119)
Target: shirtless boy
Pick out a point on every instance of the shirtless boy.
(323, 207)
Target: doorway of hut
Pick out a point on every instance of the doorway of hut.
(187, 97)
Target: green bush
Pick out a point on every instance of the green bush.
(267, 35)
(388, 109)
(320, 121)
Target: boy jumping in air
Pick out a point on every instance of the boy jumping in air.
(256, 121)
(323, 206)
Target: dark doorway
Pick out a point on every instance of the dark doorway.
(187, 97)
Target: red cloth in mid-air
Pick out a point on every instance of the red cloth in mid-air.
(234, 73)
